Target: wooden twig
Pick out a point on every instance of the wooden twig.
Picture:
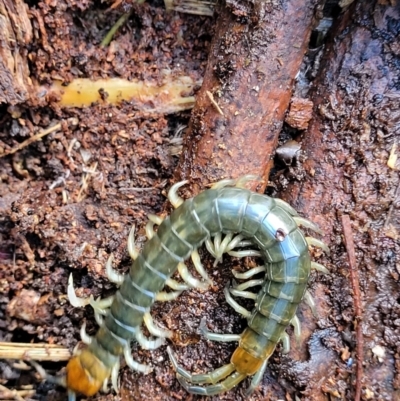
(36, 137)
(17, 395)
(121, 21)
(349, 242)
(36, 352)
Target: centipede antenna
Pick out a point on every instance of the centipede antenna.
(147, 343)
(319, 244)
(189, 279)
(112, 274)
(154, 329)
(301, 221)
(199, 266)
(114, 377)
(249, 273)
(86, 339)
(132, 250)
(309, 300)
(134, 365)
(173, 196)
(75, 301)
(319, 267)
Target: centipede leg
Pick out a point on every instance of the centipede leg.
(71, 395)
(199, 266)
(230, 382)
(236, 182)
(211, 377)
(227, 182)
(163, 296)
(238, 308)
(173, 196)
(112, 274)
(86, 339)
(247, 284)
(134, 365)
(114, 377)
(286, 207)
(153, 219)
(175, 285)
(244, 253)
(243, 294)
(309, 300)
(220, 246)
(256, 380)
(105, 385)
(297, 327)
(319, 244)
(75, 301)
(285, 343)
(301, 221)
(153, 329)
(250, 273)
(242, 181)
(147, 343)
(132, 250)
(189, 279)
(217, 337)
(101, 305)
(319, 267)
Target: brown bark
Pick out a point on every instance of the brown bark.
(15, 34)
(354, 127)
(255, 55)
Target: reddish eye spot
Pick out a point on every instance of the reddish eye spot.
(280, 235)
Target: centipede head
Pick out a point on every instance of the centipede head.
(86, 373)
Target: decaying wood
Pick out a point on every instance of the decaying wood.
(255, 55)
(348, 239)
(355, 123)
(15, 35)
(35, 352)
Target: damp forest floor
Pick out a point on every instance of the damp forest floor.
(70, 200)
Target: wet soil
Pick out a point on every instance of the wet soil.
(70, 200)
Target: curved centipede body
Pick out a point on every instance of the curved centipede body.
(270, 224)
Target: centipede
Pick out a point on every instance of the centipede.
(226, 218)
